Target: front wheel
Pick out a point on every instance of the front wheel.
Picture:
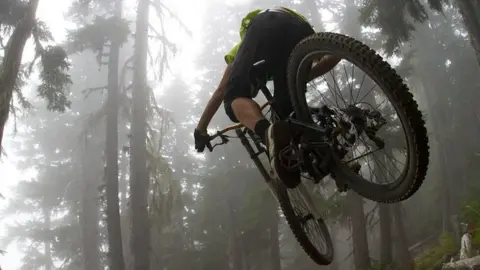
(402, 134)
(312, 234)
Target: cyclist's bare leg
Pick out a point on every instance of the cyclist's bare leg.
(247, 112)
(324, 65)
(276, 137)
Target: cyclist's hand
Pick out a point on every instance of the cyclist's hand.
(201, 139)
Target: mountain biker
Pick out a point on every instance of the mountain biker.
(268, 35)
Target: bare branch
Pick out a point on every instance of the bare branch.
(167, 45)
(88, 91)
(161, 37)
(30, 66)
(92, 121)
(38, 46)
(152, 63)
(159, 6)
(123, 73)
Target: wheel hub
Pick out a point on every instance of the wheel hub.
(346, 125)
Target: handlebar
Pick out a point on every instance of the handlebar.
(223, 137)
(221, 133)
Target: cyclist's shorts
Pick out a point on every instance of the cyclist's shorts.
(271, 36)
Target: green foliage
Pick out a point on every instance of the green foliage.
(54, 79)
(96, 35)
(41, 32)
(21, 81)
(393, 24)
(470, 214)
(53, 64)
(471, 208)
(81, 10)
(434, 257)
(396, 19)
(11, 11)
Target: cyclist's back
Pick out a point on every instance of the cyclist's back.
(272, 34)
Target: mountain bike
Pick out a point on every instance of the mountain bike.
(329, 140)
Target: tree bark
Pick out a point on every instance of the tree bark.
(116, 259)
(385, 214)
(47, 243)
(125, 212)
(405, 259)
(361, 252)
(139, 183)
(123, 184)
(89, 217)
(12, 60)
(236, 253)
(470, 11)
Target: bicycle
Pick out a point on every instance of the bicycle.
(324, 137)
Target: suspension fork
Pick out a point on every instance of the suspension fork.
(242, 135)
(254, 155)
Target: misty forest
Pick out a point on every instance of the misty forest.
(99, 100)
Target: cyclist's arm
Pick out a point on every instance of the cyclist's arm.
(323, 66)
(215, 101)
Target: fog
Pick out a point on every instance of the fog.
(99, 100)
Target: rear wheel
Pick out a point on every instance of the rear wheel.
(312, 234)
(412, 150)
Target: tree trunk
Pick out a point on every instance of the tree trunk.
(384, 212)
(470, 11)
(116, 260)
(47, 243)
(405, 259)
(274, 241)
(139, 182)
(89, 217)
(361, 252)
(12, 60)
(123, 184)
(236, 253)
(125, 212)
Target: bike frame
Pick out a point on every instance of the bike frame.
(242, 133)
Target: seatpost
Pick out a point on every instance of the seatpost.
(265, 91)
(268, 95)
